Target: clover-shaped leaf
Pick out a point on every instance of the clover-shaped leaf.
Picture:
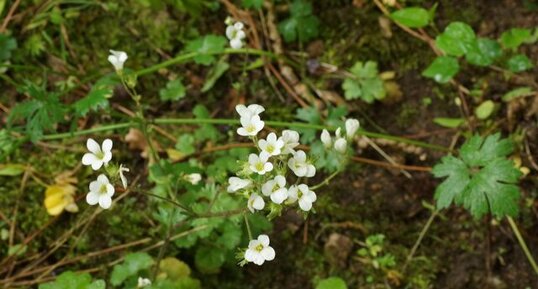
(482, 180)
(364, 83)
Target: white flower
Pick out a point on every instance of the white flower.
(236, 184)
(352, 125)
(117, 58)
(251, 110)
(276, 189)
(300, 166)
(255, 202)
(291, 140)
(143, 282)
(326, 139)
(250, 125)
(122, 176)
(260, 164)
(340, 145)
(259, 250)
(304, 195)
(101, 191)
(271, 145)
(193, 178)
(236, 35)
(98, 155)
(338, 132)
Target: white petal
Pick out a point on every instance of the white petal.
(311, 196)
(264, 240)
(88, 159)
(102, 179)
(238, 25)
(230, 32)
(110, 190)
(268, 253)
(236, 43)
(242, 131)
(279, 196)
(258, 203)
(107, 157)
(258, 259)
(268, 167)
(250, 255)
(92, 198)
(94, 186)
(107, 145)
(305, 204)
(280, 180)
(93, 146)
(97, 164)
(105, 201)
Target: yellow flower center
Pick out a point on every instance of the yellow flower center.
(251, 128)
(259, 248)
(102, 189)
(259, 166)
(270, 149)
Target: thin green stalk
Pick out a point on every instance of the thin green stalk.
(197, 121)
(523, 245)
(325, 181)
(419, 240)
(248, 226)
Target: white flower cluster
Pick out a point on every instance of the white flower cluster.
(340, 143)
(263, 177)
(101, 190)
(235, 33)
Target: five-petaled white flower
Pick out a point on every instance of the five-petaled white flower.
(255, 202)
(326, 139)
(303, 194)
(101, 191)
(250, 125)
(122, 176)
(271, 145)
(236, 34)
(259, 163)
(249, 111)
(117, 58)
(143, 282)
(290, 138)
(235, 184)
(259, 250)
(276, 189)
(98, 155)
(299, 165)
(193, 178)
(352, 125)
(340, 145)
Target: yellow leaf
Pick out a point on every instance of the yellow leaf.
(59, 197)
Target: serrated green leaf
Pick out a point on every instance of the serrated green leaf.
(257, 4)
(483, 52)
(519, 63)
(514, 37)
(413, 17)
(365, 83)
(71, 280)
(209, 259)
(482, 180)
(205, 131)
(98, 96)
(185, 144)
(174, 91)
(442, 69)
(518, 92)
(206, 46)
(132, 264)
(457, 39)
(332, 283)
(449, 122)
(302, 25)
(308, 115)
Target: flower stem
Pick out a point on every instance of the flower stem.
(523, 245)
(419, 240)
(198, 121)
(248, 227)
(325, 181)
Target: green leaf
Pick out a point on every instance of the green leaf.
(98, 96)
(483, 52)
(185, 144)
(206, 46)
(519, 63)
(514, 37)
(7, 45)
(442, 69)
(11, 170)
(332, 283)
(216, 72)
(70, 280)
(174, 91)
(309, 115)
(457, 39)
(485, 109)
(257, 4)
(449, 122)
(518, 92)
(302, 25)
(205, 131)
(365, 83)
(133, 263)
(413, 17)
(209, 259)
(41, 112)
(482, 179)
